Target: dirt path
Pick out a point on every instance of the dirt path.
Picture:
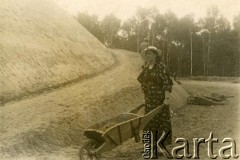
(222, 120)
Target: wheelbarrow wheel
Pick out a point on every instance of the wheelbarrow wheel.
(86, 151)
(191, 99)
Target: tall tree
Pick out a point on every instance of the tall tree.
(236, 31)
(209, 47)
(110, 27)
(210, 24)
(91, 23)
(160, 27)
(129, 34)
(170, 34)
(186, 29)
(145, 19)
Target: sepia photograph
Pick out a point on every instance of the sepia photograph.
(119, 79)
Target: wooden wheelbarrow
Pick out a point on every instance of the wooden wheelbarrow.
(109, 134)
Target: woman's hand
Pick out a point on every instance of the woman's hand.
(167, 101)
(167, 98)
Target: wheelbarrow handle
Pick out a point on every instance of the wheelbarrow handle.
(135, 110)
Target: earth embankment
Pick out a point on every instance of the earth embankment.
(42, 47)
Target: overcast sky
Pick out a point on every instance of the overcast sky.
(126, 8)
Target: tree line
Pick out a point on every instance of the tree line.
(208, 47)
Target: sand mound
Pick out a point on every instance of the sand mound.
(41, 46)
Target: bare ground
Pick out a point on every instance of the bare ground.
(50, 125)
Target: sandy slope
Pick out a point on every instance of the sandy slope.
(55, 120)
(41, 46)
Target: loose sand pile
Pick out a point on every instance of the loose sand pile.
(41, 46)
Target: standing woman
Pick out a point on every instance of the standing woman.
(156, 86)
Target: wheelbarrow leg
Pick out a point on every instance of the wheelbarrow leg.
(89, 151)
(136, 134)
(106, 146)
